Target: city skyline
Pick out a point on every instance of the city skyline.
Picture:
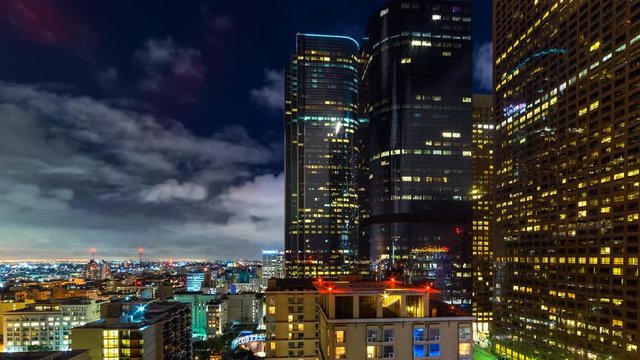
(168, 137)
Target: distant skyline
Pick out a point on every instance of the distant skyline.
(133, 124)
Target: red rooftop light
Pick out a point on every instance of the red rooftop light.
(330, 288)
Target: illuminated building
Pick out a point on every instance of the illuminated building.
(198, 304)
(6, 306)
(567, 179)
(215, 318)
(321, 106)
(97, 270)
(418, 80)
(242, 309)
(386, 319)
(47, 325)
(483, 133)
(197, 279)
(138, 331)
(272, 266)
(291, 319)
(47, 355)
(361, 320)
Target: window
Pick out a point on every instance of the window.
(340, 336)
(434, 349)
(464, 349)
(418, 351)
(388, 335)
(434, 333)
(344, 307)
(341, 352)
(415, 306)
(367, 307)
(464, 333)
(372, 352)
(418, 334)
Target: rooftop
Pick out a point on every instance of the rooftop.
(374, 287)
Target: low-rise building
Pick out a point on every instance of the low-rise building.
(141, 331)
(47, 325)
(198, 303)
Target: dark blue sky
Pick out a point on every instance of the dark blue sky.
(159, 123)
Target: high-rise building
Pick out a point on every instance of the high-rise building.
(272, 266)
(321, 107)
(156, 330)
(198, 304)
(567, 179)
(47, 325)
(418, 105)
(291, 320)
(481, 197)
(95, 270)
(242, 309)
(197, 279)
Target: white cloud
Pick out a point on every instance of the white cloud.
(172, 190)
(483, 66)
(271, 94)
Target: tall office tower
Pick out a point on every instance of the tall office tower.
(156, 330)
(567, 181)
(419, 77)
(272, 266)
(481, 197)
(320, 121)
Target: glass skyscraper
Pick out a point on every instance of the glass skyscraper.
(321, 119)
(567, 179)
(418, 92)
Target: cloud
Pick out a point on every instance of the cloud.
(170, 70)
(79, 172)
(172, 190)
(483, 66)
(271, 94)
(255, 213)
(48, 23)
(108, 78)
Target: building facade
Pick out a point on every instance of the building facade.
(242, 309)
(321, 107)
(47, 325)
(272, 266)
(567, 178)
(418, 105)
(197, 279)
(390, 320)
(481, 197)
(199, 304)
(291, 319)
(138, 331)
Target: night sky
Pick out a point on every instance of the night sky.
(155, 124)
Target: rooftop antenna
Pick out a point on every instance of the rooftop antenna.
(140, 253)
(93, 254)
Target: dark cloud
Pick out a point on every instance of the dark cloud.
(271, 94)
(483, 67)
(170, 70)
(80, 172)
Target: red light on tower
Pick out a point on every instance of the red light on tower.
(330, 288)
(459, 230)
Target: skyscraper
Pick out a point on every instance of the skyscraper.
(567, 104)
(481, 196)
(272, 266)
(418, 104)
(321, 107)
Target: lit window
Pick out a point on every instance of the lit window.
(405, 61)
(384, 12)
(464, 349)
(434, 350)
(436, 17)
